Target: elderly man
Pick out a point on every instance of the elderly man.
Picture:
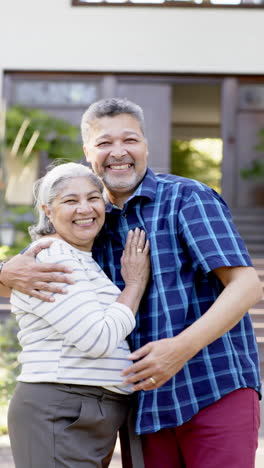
(195, 357)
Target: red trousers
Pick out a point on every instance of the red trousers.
(223, 435)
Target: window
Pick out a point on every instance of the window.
(173, 3)
(51, 93)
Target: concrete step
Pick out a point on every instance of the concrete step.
(252, 237)
(242, 213)
(252, 214)
(250, 225)
(255, 249)
(249, 218)
(249, 221)
(257, 315)
(260, 271)
(258, 246)
(259, 329)
(5, 309)
(254, 225)
(258, 262)
(257, 311)
(260, 340)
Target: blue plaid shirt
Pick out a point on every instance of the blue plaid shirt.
(191, 233)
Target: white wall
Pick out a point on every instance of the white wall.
(52, 35)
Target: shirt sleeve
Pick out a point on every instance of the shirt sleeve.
(206, 227)
(84, 320)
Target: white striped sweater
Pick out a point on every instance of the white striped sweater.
(79, 338)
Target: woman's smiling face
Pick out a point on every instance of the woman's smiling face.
(77, 213)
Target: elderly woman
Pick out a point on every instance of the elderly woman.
(70, 402)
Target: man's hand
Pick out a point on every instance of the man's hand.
(23, 273)
(158, 362)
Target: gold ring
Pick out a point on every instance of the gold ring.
(139, 250)
(152, 380)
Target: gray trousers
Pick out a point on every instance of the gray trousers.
(70, 426)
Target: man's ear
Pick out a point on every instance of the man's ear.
(85, 150)
(147, 152)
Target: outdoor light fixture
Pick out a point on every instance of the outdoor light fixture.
(7, 234)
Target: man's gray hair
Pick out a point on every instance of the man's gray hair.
(48, 187)
(110, 108)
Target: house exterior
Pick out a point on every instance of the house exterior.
(197, 70)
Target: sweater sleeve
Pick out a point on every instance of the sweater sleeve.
(88, 316)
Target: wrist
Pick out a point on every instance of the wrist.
(135, 286)
(188, 343)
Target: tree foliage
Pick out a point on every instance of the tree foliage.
(187, 161)
(57, 137)
(9, 366)
(255, 169)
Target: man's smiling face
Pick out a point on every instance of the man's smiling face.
(117, 150)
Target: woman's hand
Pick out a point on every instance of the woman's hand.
(135, 262)
(135, 269)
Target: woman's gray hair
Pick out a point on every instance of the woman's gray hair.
(110, 108)
(47, 189)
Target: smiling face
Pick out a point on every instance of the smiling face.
(77, 213)
(117, 151)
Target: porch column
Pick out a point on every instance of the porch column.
(229, 103)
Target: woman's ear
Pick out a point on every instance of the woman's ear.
(46, 210)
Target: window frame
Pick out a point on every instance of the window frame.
(168, 4)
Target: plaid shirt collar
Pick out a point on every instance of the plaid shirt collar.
(147, 189)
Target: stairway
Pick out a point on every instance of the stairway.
(250, 224)
(5, 308)
(257, 314)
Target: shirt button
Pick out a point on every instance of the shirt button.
(124, 215)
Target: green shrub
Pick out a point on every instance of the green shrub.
(255, 170)
(187, 161)
(9, 366)
(21, 216)
(57, 137)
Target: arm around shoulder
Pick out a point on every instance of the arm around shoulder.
(23, 273)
